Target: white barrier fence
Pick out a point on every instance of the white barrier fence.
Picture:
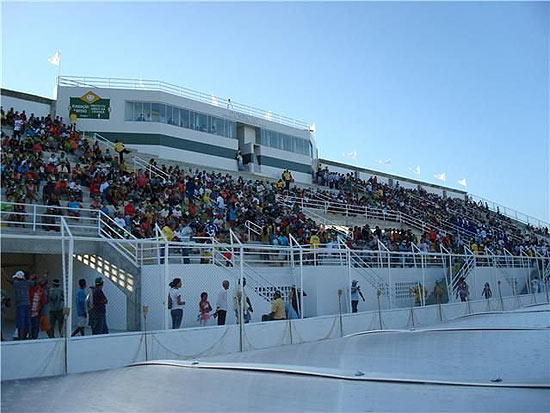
(40, 358)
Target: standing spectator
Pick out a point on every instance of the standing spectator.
(247, 304)
(355, 294)
(462, 290)
(487, 293)
(277, 307)
(22, 288)
(438, 292)
(5, 304)
(99, 309)
(287, 179)
(45, 316)
(38, 299)
(221, 303)
(80, 308)
(204, 309)
(121, 150)
(175, 302)
(57, 302)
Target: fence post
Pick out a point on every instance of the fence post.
(69, 303)
(301, 284)
(378, 292)
(241, 310)
(34, 218)
(166, 277)
(340, 312)
(348, 257)
(389, 281)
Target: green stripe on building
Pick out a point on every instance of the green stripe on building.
(158, 139)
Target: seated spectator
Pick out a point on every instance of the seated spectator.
(74, 207)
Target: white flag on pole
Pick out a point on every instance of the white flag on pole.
(416, 170)
(55, 59)
(441, 176)
(462, 182)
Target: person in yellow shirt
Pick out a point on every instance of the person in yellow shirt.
(168, 234)
(277, 307)
(314, 243)
(121, 150)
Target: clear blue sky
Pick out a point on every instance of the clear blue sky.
(460, 88)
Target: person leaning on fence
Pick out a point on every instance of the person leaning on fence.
(98, 313)
(175, 302)
(355, 294)
(81, 308)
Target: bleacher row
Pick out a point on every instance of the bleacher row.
(47, 162)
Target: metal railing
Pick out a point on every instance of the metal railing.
(509, 212)
(156, 85)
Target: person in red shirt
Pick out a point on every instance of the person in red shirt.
(129, 212)
(38, 299)
(94, 189)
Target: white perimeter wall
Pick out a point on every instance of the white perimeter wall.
(321, 284)
(40, 358)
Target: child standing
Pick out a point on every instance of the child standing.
(204, 308)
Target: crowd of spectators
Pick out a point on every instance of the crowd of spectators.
(451, 222)
(47, 162)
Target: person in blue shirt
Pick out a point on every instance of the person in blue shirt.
(81, 308)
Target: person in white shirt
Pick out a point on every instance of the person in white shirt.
(221, 202)
(221, 303)
(175, 302)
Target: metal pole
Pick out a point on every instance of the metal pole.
(411, 306)
(166, 276)
(389, 282)
(241, 310)
(500, 296)
(348, 256)
(378, 292)
(340, 312)
(34, 218)
(301, 284)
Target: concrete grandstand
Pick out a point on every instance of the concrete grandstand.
(137, 183)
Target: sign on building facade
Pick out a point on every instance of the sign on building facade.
(90, 106)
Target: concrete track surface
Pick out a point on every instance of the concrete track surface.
(487, 362)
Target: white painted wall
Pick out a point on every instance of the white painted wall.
(39, 109)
